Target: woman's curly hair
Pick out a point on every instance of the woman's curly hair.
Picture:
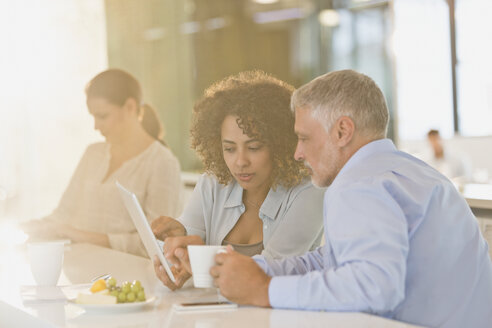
(262, 105)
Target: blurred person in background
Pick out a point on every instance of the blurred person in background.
(91, 210)
(254, 195)
(453, 165)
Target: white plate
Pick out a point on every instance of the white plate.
(114, 308)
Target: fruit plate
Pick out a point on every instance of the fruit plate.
(115, 308)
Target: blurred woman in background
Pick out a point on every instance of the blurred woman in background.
(91, 210)
(254, 195)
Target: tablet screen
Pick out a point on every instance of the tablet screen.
(146, 235)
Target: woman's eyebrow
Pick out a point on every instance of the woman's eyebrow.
(252, 140)
(247, 141)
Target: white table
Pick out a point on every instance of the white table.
(478, 196)
(83, 262)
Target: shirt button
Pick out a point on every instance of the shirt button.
(265, 227)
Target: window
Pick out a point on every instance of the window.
(50, 49)
(423, 65)
(474, 68)
(423, 68)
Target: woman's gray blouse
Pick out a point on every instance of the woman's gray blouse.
(292, 218)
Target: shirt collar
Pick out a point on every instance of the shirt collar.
(270, 206)
(235, 197)
(273, 201)
(374, 147)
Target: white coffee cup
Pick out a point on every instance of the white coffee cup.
(46, 260)
(202, 258)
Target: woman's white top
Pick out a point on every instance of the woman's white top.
(90, 204)
(292, 218)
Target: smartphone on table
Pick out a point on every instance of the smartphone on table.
(204, 306)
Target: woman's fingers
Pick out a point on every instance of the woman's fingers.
(182, 255)
(175, 250)
(162, 274)
(165, 226)
(181, 277)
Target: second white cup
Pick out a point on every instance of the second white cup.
(46, 259)
(202, 258)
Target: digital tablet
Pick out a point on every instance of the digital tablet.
(146, 235)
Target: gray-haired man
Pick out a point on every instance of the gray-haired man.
(401, 242)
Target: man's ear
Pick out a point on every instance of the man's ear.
(344, 129)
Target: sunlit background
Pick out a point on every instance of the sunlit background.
(432, 58)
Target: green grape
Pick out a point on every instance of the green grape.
(130, 297)
(136, 288)
(127, 292)
(141, 296)
(126, 287)
(121, 297)
(111, 282)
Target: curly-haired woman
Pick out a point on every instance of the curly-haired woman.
(254, 195)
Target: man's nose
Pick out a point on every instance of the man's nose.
(299, 154)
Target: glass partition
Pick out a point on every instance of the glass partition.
(179, 48)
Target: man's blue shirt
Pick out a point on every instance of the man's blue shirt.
(401, 242)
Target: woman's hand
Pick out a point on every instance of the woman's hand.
(175, 250)
(165, 226)
(180, 275)
(176, 253)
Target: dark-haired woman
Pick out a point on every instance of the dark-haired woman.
(254, 195)
(91, 210)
